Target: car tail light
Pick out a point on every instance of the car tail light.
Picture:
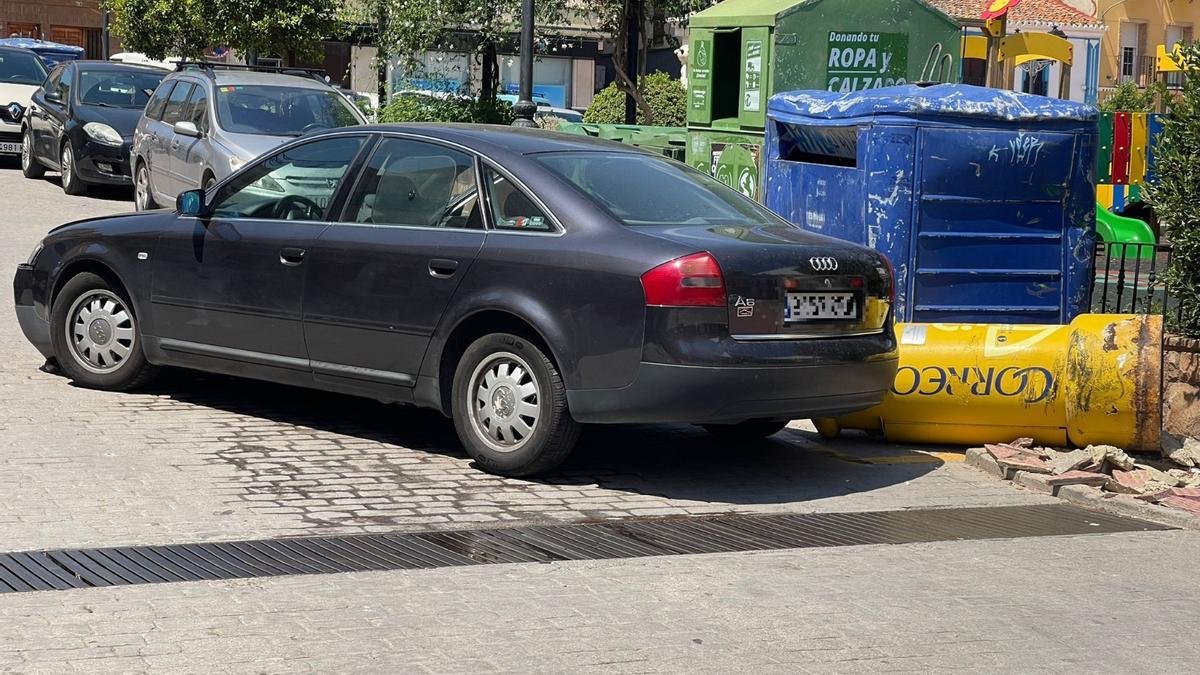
(691, 281)
(891, 279)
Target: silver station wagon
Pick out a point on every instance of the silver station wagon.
(205, 121)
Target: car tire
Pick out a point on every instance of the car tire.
(143, 194)
(750, 430)
(72, 184)
(208, 182)
(510, 407)
(30, 166)
(95, 334)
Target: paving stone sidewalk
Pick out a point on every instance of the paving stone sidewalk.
(1052, 605)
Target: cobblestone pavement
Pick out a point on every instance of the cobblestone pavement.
(198, 457)
(1046, 605)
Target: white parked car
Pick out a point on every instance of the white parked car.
(21, 73)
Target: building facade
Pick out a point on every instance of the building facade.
(1135, 29)
(71, 22)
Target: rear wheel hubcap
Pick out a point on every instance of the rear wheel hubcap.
(504, 401)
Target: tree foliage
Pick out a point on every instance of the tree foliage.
(186, 28)
(1175, 195)
(1128, 97)
(409, 28)
(613, 16)
(664, 97)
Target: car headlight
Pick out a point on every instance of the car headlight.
(268, 183)
(236, 163)
(37, 250)
(103, 134)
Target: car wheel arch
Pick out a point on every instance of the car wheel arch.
(477, 324)
(98, 267)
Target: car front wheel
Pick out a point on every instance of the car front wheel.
(143, 198)
(30, 167)
(510, 407)
(72, 184)
(95, 335)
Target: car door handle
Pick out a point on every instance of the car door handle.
(291, 256)
(442, 268)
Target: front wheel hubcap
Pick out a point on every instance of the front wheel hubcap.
(66, 166)
(100, 331)
(26, 151)
(504, 401)
(142, 189)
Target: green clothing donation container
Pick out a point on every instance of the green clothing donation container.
(740, 52)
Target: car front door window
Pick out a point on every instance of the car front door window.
(416, 184)
(297, 183)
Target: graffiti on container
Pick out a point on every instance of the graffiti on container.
(1022, 151)
(1033, 383)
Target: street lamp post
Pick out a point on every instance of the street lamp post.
(525, 107)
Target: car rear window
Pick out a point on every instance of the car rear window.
(117, 89)
(21, 68)
(281, 111)
(644, 190)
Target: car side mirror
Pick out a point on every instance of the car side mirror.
(53, 97)
(186, 128)
(190, 203)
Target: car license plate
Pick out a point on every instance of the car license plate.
(810, 306)
(10, 148)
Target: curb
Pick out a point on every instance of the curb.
(1083, 495)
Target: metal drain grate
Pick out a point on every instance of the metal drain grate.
(87, 568)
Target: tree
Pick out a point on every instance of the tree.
(613, 17)
(1128, 97)
(409, 28)
(1175, 196)
(187, 28)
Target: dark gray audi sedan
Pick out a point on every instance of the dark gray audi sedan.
(521, 282)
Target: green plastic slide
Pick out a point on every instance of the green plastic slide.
(1114, 229)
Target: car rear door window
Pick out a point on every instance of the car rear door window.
(417, 184)
(511, 207)
(297, 183)
(175, 103)
(154, 109)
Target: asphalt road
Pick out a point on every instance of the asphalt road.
(198, 458)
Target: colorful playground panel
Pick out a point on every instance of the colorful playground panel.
(1125, 158)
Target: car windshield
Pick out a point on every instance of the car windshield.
(117, 89)
(21, 68)
(643, 190)
(281, 111)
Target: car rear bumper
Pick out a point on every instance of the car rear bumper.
(692, 394)
(35, 328)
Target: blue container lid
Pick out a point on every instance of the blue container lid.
(927, 102)
(41, 46)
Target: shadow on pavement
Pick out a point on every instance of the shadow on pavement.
(670, 461)
(112, 193)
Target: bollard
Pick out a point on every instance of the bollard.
(1095, 381)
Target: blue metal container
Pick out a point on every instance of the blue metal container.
(51, 53)
(983, 199)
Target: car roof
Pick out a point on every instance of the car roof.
(504, 138)
(118, 66)
(222, 77)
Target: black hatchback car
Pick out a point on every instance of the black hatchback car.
(521, 282)
(81, 122)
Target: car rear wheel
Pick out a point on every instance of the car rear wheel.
(750, 430)
(96, 337)
(72, 184)
(143, 199)
(510, 407)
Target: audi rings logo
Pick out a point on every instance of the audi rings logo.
(823, 263)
